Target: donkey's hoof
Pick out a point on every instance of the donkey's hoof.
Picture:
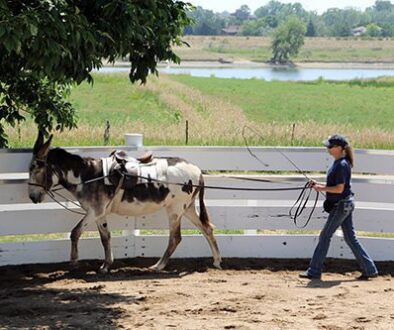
(217, 265)
(157, 267)
(103, 270)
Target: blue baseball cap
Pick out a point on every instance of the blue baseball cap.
(336, 140)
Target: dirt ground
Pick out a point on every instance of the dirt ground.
(190, 294)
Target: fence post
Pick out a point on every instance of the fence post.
(292, 134)
(106, 133)
(250, 231)
(187, 133)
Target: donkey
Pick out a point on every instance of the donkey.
(51, 167)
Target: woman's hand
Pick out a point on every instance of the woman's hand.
(311, 183)
(317, 186)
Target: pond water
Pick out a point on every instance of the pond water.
(284, 74)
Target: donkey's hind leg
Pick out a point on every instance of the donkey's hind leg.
(207, 230)
(174, 218)
(105, 236)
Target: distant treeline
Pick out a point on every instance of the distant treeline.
(375, 21)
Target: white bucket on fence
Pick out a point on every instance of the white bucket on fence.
(134, 139)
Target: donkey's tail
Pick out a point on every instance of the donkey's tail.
(204, 218)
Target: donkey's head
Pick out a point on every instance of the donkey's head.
(40, 177)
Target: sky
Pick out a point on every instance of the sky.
(319, 6)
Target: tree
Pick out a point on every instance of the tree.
(310, 29)
(373, 30)
(341, 21)
(342, 29)
(271, 9)
(387, 30)
(287, 40)
(271, 21)
(242, 13)
(257, 27)
(382, 14)
(46, 46)
(205, 22)
(383, 6)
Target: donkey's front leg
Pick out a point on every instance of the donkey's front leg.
(75, 235)
(105, 235)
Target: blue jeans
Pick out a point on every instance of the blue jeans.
(340, 215)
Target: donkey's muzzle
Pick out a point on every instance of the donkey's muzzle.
(36, 198)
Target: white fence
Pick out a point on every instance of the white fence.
(244, 210)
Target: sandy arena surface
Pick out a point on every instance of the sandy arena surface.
(190, 294)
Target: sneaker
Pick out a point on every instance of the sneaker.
(309, 276)
(364, 277)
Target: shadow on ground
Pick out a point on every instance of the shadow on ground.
(138, 268)
(27, 301)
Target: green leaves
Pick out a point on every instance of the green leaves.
(47, 45)
(287, 40)
(33, 30)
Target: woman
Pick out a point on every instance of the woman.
(339, 203)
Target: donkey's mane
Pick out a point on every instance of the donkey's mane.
(65, 161)
(62, 158)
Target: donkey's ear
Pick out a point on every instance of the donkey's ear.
(43, 151)
(39, 142)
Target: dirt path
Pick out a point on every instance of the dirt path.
(246, 294)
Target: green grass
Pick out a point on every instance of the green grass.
(129, 109)
(357, 104)
(54, 236)
(185, 232)
(42, 237)
(217, 109)
(114, 98)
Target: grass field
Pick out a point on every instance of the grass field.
(314, 50)
(287, 113)
(320, 102)
(111, 98)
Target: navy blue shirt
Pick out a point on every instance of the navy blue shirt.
(340, 172)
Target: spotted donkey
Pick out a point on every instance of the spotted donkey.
(50, 167)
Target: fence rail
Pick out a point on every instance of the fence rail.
(229, 210)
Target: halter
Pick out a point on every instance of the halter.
(44, 186)
(51, 192)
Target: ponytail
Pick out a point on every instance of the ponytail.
(349, 154)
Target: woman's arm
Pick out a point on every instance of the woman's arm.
(338, 189)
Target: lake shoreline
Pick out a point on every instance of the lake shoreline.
(251, 64)
(307, 65)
